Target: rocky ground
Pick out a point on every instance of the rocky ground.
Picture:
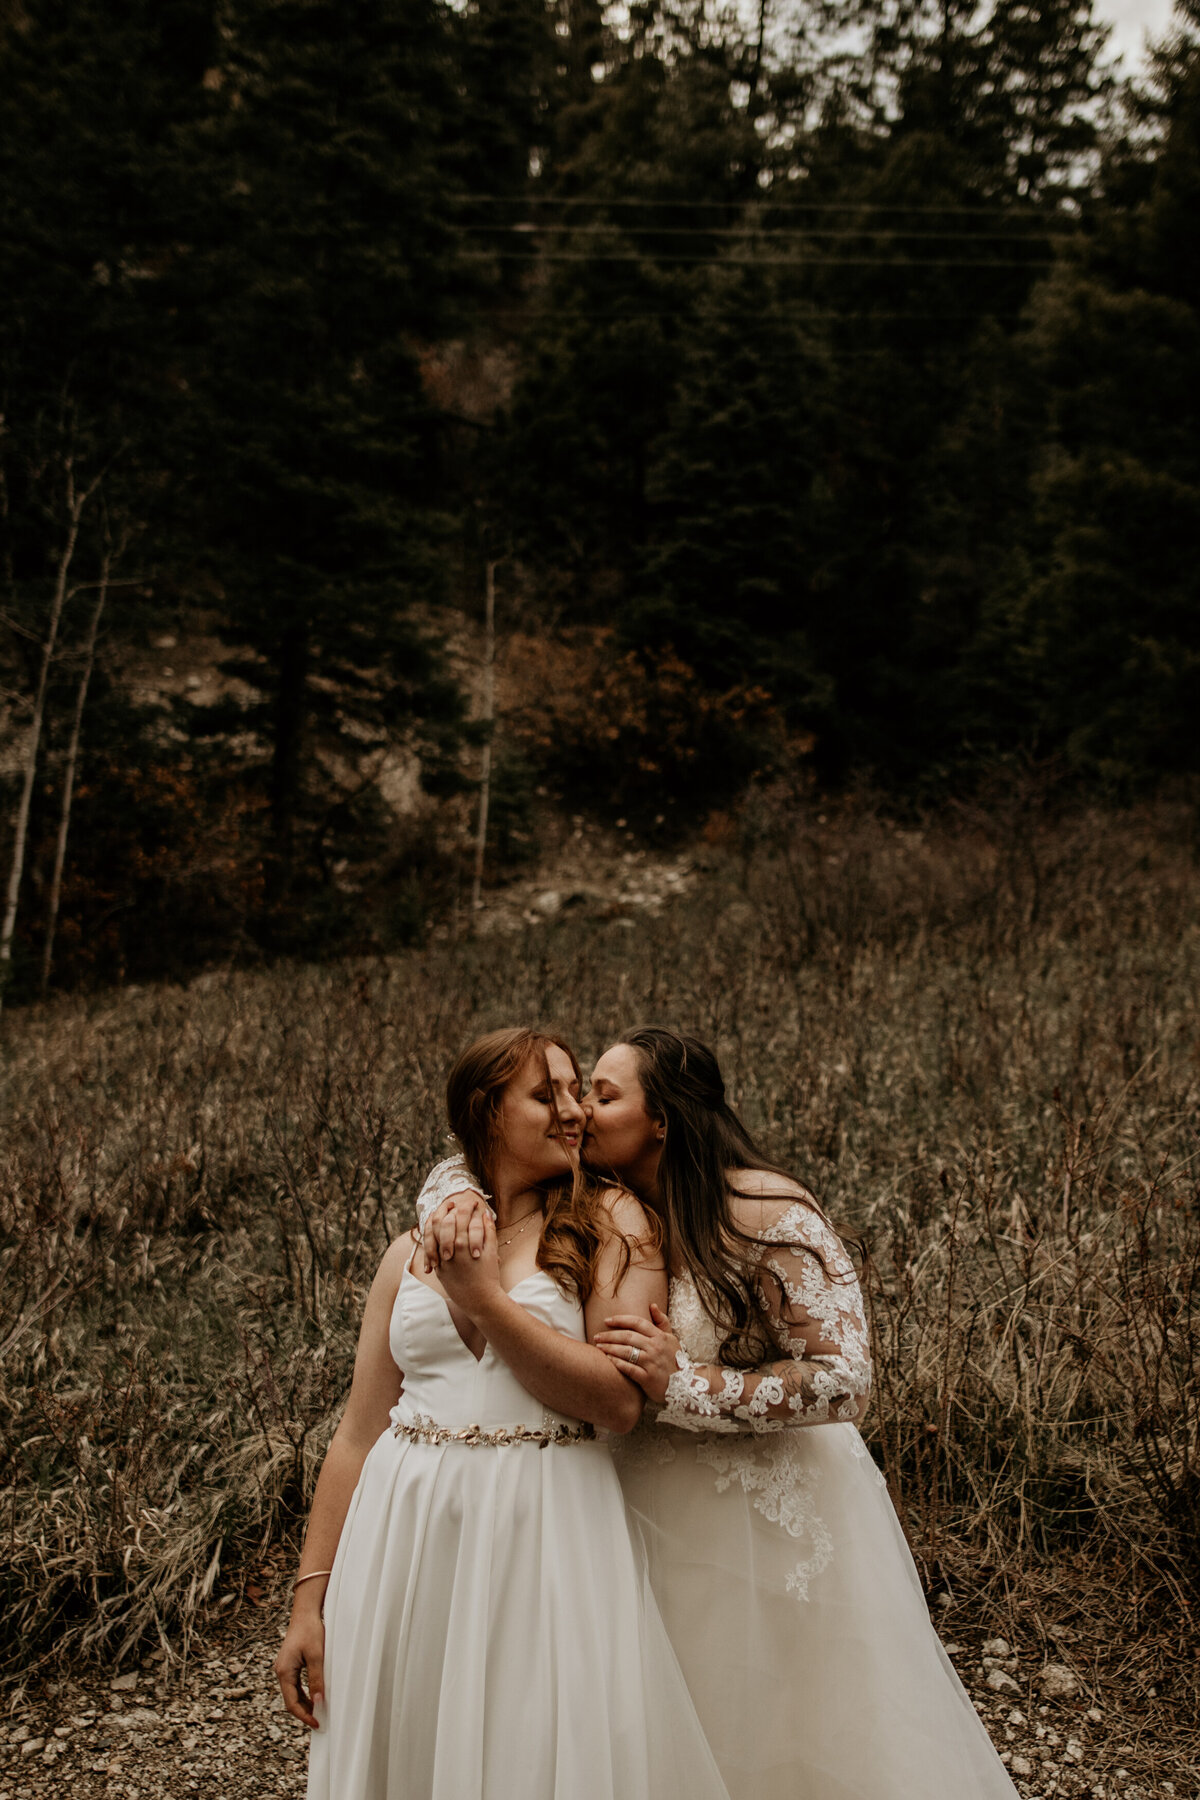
(601, 873)
(215, 1726)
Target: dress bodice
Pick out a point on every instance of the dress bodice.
(445, 1382)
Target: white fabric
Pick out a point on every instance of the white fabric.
(793, 1603)
(813, 1311)
(451, 1176)
(783, 1575)
(490, 1633)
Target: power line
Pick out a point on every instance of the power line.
(766, 262)
(761, 200)
(791, 233)
(828, 353)
(536, 313)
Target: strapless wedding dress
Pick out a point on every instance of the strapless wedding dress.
(490, 1629)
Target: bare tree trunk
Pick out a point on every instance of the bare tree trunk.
(759, 46)
(7, 570)
(76, 501)
(68, 788)
(489, 719)
(287, 760)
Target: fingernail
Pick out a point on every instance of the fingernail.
(474, 1253)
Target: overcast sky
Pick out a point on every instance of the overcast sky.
(1131, 20)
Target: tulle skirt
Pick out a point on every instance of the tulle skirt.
(792, 1600)
(491, 1635)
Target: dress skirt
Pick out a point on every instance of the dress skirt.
(490, 1629)
(791, 1596)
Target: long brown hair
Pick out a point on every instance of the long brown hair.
(682, 1083)
(572, 1235)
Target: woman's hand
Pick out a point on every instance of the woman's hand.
(301, 1660)
(656, 1346)
(457, 1224)
(468, 1278)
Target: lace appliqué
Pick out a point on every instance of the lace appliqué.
(449, 1177)
(783, 1490)
(747, 1418)
(813, 1310)
(690, 1405)
(806, 1275)
(692, 1325)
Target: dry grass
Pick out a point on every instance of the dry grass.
(978, 1041)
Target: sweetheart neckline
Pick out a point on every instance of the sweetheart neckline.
(444, 1303)
(534, 1275)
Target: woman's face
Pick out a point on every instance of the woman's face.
(621, 1135)
(541, 1122)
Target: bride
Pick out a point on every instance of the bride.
(775, 1554)
(488, 1632)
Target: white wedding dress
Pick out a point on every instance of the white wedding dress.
(776, 1556)
(490, 1631)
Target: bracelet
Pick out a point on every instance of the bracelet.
(310, 1577)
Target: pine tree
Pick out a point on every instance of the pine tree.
(88, 185)
(505, 53)
(1047, 82)
(649, 162)
(727, 580)
(968, 122)
(1112, 607)
(326, 260)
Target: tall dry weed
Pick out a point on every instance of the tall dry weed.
(977, 1040)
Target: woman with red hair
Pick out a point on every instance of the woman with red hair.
(471, 1620)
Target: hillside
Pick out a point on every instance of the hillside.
(977, 1040)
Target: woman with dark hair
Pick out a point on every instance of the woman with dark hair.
(471, 1619)
(775, 1553)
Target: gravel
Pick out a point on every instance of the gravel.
(218, 1726)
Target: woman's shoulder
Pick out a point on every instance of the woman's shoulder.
(627, 1224)
(450, 1176)
(629, 1236)
(395, 1259)
(776, 1209)
(385, 1284)
(761, 1197)
(765, 1184)
(622, 1213)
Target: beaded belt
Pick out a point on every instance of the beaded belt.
(426, 1431)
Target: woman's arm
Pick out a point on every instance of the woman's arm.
(373, 1393)
(573, 1378)
(450, 1206)
(813, 1307)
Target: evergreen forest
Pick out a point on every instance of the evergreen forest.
(809, 390)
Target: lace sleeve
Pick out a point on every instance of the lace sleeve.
(449, 1177)
(813, 1303)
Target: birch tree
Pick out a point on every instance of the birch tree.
(77, 498)
(91, 638)
(489, 721)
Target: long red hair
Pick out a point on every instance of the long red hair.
(574, 1233)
